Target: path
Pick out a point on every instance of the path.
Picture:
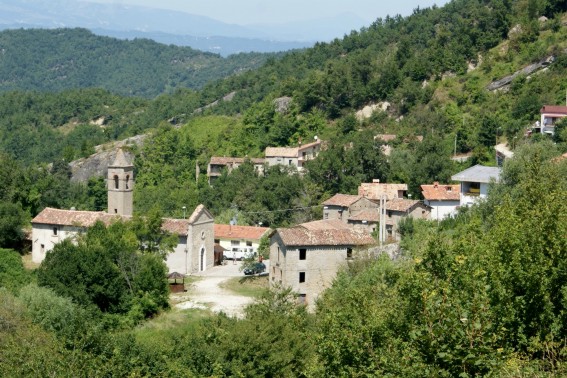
(206, 293)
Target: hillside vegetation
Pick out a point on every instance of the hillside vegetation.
(482, 294)
(58, 59)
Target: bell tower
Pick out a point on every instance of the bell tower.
(120, 186)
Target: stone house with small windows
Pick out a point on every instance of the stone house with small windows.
(193, 253)
(218, 164)
(354, 210)
(399, 208)
(307, 257)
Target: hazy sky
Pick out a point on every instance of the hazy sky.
(244, 12)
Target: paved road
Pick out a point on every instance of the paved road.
(206, 292)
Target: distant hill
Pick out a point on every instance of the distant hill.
(58, 59)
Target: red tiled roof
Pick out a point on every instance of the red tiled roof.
(441, 192)
(282, 152)
(226, 231)
(366, 215)
(325, 224)
(308, 145)
(299, 236)
(75, 217)
(556, 109)
(400, 204)
(344, 200)
(175, 226)
(373, 190)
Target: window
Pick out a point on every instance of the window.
(289, 162)
(235, 243)
(127, 180)
(302, 299)
(42, 248)
(217, 241)
(116, 182)
(278, 254)
(326, 215)
(115, 211)
(349, 253)
(389, 214)
(302, 253)
(55, 231)
(249, 244)
(301, 277)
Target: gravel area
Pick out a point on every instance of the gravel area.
(206, 292)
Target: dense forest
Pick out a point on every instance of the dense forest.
(480, 294)
(59, 59)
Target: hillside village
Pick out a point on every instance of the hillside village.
(391, 203)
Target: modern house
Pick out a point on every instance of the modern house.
(239, 241)
(399, 208)
(549, 115)
(218, 164)
(307, 260)
(474, 183)
(194, 251)
(443, 199)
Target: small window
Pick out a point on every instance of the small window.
(235, 243)
(326, 215)
(389, 214)
(116, 182)
(301, 277)
(289, 163)
(115, 211)
(349, 253)
(302, 254)
(55, 231)
(217, 241)
(127, 181)
(42, 246)
(302, 299)
(249, 244)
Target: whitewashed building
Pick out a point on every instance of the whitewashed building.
(443, 199)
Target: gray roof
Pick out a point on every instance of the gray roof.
(478, 173)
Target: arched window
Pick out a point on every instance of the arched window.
(127, 180)
(116, 182)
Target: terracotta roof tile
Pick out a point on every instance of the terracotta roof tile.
(441, 192)
(400, 204)
(325, 224)
(309, 145)
(366, 215)
(226, 231)
(299, 236)
(557, 109)
(281, 152)
(373, 190)
(344, 200)
(175, 226)
(75, 217)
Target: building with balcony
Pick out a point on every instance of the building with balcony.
(475, 182)
(549, 115)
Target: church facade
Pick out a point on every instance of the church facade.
(193, 253)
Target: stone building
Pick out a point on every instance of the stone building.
(194, 252)
(307, 258)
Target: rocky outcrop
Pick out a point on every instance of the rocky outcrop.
(367, 111)
(228, 98)
(97, 164)
(505, 81)
(282, 104)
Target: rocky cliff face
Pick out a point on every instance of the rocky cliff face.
(97, 164)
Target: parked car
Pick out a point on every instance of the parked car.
(255, 269)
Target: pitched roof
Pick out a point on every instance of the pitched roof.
(557, 109)
(201, 209)
(309, 145)
(76, 218)
(441, 192)
(281, 152)
(226, 231)
(366, 215)
(373, 190)
(325, 224)
(299, 236)
(218, 160)
(175, 226)
(344, 200)
(120, 160)
(478, 173)
(400, 204)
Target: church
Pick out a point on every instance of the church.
(195, 249)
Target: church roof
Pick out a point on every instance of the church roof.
(201, 209)
(121, 160)
(76, 218)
